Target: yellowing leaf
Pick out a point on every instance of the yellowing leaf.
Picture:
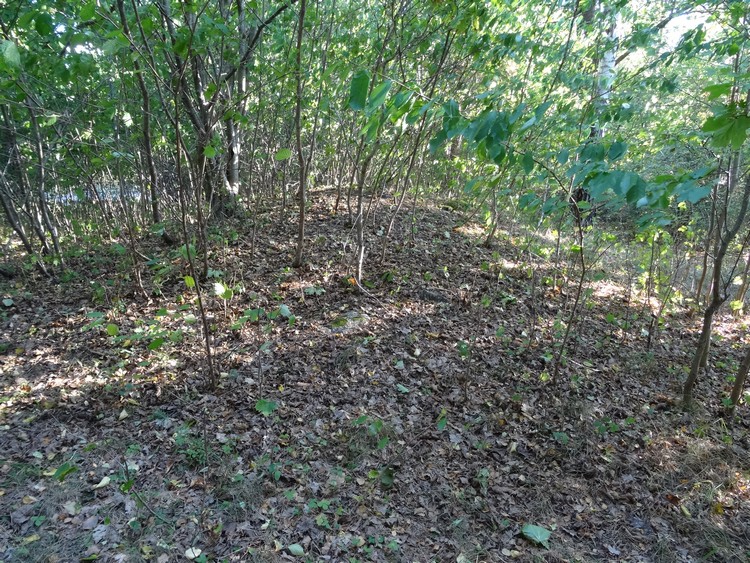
(103, 483)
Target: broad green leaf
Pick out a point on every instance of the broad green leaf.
(529, 122)
(563, 155)
(437, 141)
(88, 11)
(378, 95)
(284, 311)
(64, 470)
(282, 154)
(617, 150)
(43, 24)
(528, 163)
(693, 194)
(717, 122)
(387, 476)
(189, 281)
(156, 343)
(718, 90)
(265, 407)
(373, 126)
(8, 302)
(112, 330)
(727, 129)
(253, 314)
(209, 152)
(542, 109)
(537, 534)
(10, 54)
(358, 91)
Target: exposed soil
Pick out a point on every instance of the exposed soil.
(415, 421)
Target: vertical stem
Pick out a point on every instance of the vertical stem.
(298, 260)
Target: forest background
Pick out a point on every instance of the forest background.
(394, 280)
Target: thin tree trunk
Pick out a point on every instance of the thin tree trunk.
(739, 383)
(718, 290)
(146, 120)
(298, 257)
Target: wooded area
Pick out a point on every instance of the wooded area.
(394, 280)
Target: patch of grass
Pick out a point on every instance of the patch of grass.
(21, 472)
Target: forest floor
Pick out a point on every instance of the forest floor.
(415, 422)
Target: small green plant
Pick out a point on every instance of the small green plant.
(375, 429)
(561, 438)
(606, 426)
(483, 476)
(257, 314)
(190, 446)
(265, 407)
(314, 290)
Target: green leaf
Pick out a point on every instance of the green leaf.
(10, 54)
(282, 154)
(437, 141)
(531, 121)
(378, 95)
(727, 129)
(528, 163)
(64, 470)
(296, 549)
(88, 11)
(43, 24)
(112, 330)
(561, 437)
(265, 407)
(209, 151)
(537, 534)
(718, 90)
(617, 150)
(402, 389)
(284, 311)
(442, 421)
(358, 90)
(387, 476)
(8, 302)
(563, 155)
(156, 343)
(694, 194)
(189, 281)
(222, 291)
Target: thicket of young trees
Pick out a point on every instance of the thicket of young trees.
(164, 116)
